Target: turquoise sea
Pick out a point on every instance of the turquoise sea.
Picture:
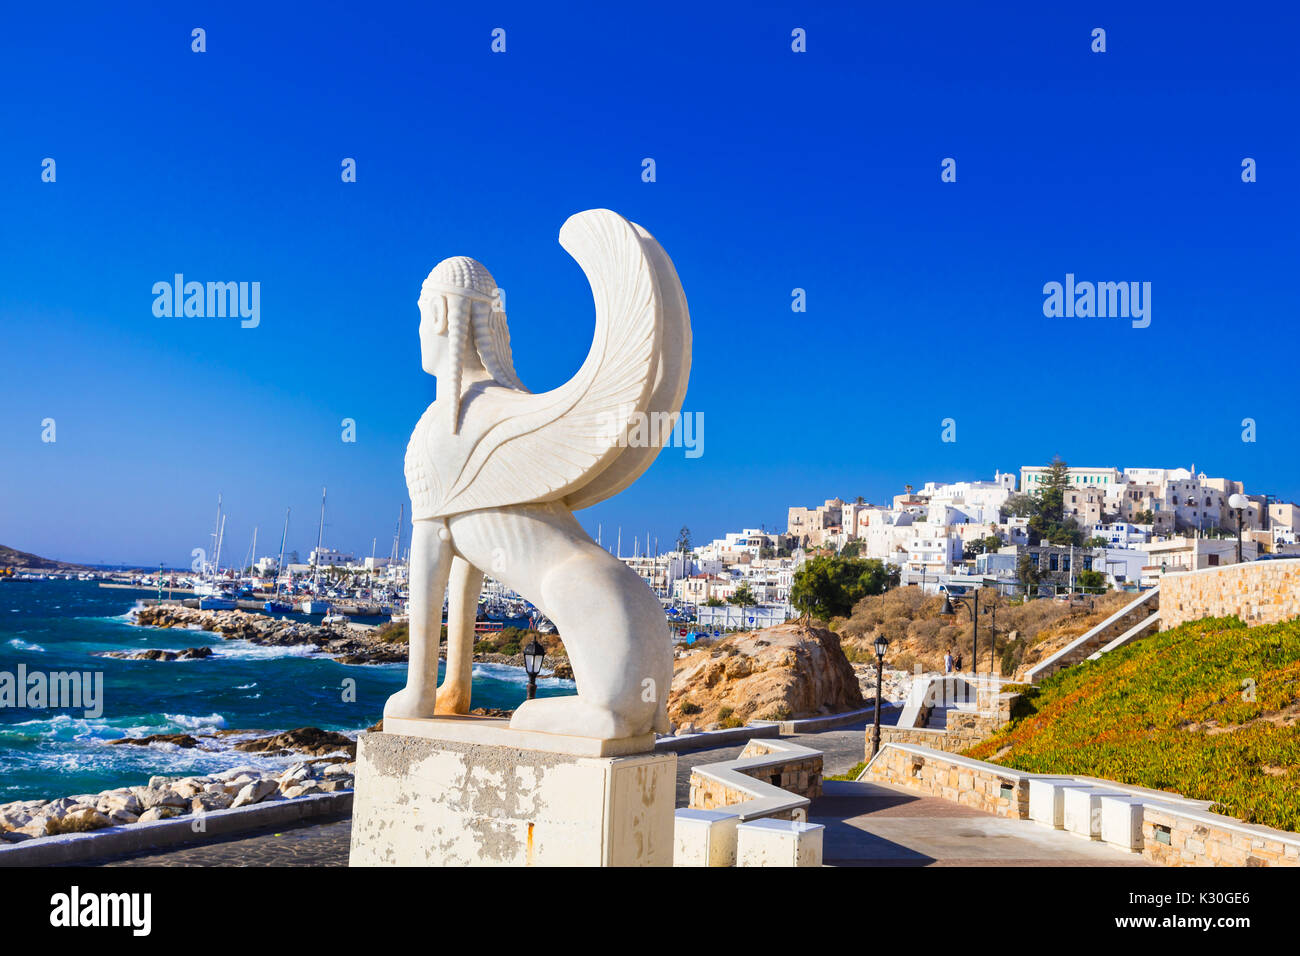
(60, 626)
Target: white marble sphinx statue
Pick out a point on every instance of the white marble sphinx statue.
(495, 473)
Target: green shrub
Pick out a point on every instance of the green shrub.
(1143, 715)
(688, 708)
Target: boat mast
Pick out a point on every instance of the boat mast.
(320, 536)
(279, 564)
(216, 534)
(221, 536)
(397, 534)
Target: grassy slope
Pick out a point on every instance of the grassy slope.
(1174, 712)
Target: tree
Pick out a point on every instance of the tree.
(684, 539)
(828, 587)
(1144, 517)
(744, 596)
(1020, 505)
(1097, 541)
(713, 602)
(1048, 522)
(851, 549)
(1091, 581)
(1027, 574)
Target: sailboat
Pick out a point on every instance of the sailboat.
(214, 595)
(275, 605)
(311, 605)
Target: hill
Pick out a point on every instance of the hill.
(1210, 709)
(919, 634)
(13, 558)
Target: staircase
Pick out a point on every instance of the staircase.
(1140, 618)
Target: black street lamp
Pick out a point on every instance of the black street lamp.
(881, 644)
(1238, 502)
(534, 654)
(974, 612)
(992, 612)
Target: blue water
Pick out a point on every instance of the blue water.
(55, 626)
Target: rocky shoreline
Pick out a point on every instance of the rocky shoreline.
(345, 644)
(167, 797)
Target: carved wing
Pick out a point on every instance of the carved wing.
(671, 376)
(543, 447)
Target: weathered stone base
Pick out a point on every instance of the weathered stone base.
(426, 802)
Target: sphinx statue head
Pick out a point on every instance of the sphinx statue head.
(463, 328)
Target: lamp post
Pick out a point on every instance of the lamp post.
(1239, 503)
(992, 612)
(881, 644)
(534, 654)
(974, 612)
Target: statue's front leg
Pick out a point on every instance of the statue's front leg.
(462, 611)
(430, 565)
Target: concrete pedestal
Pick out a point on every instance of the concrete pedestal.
(425, 801)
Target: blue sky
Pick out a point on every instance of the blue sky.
(775, 170)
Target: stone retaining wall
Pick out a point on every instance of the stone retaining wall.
(1198, 839)
(1258, 592)
(799, 774)
(967, 782)
(964, 728)
(1195, 836)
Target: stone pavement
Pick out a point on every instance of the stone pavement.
(869, 824)
(310, 844)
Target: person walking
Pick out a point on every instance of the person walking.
(957, 662)
(947, 663)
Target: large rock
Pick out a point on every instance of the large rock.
(255, 792)
(779, 673)
(307, 740)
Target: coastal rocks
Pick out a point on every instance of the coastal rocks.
(779, 673)
(347, 645)
(166, 798)
(158, 654)
(180, 740)
(562, 670)
(78, 820)
(255, 792)
(307, 740)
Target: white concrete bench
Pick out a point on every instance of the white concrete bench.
(704, 838)
(770, 842)
(1121, 821)
(1047, 799)
(1083, 810)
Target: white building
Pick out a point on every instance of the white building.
(329, 557)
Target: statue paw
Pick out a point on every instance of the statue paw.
(408, 703)
(575, 717)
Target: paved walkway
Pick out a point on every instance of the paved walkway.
(870, 824)
(866, 825)
(319, 844)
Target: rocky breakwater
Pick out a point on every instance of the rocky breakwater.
(344, 644)
(780, 673)
(167, 797)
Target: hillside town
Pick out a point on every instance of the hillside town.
(1133, 525)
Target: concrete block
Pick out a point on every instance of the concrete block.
(427, 802)
(704, 838)
(1121, 821)
(1047, 801)
(770, 842)
(1082, 807)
